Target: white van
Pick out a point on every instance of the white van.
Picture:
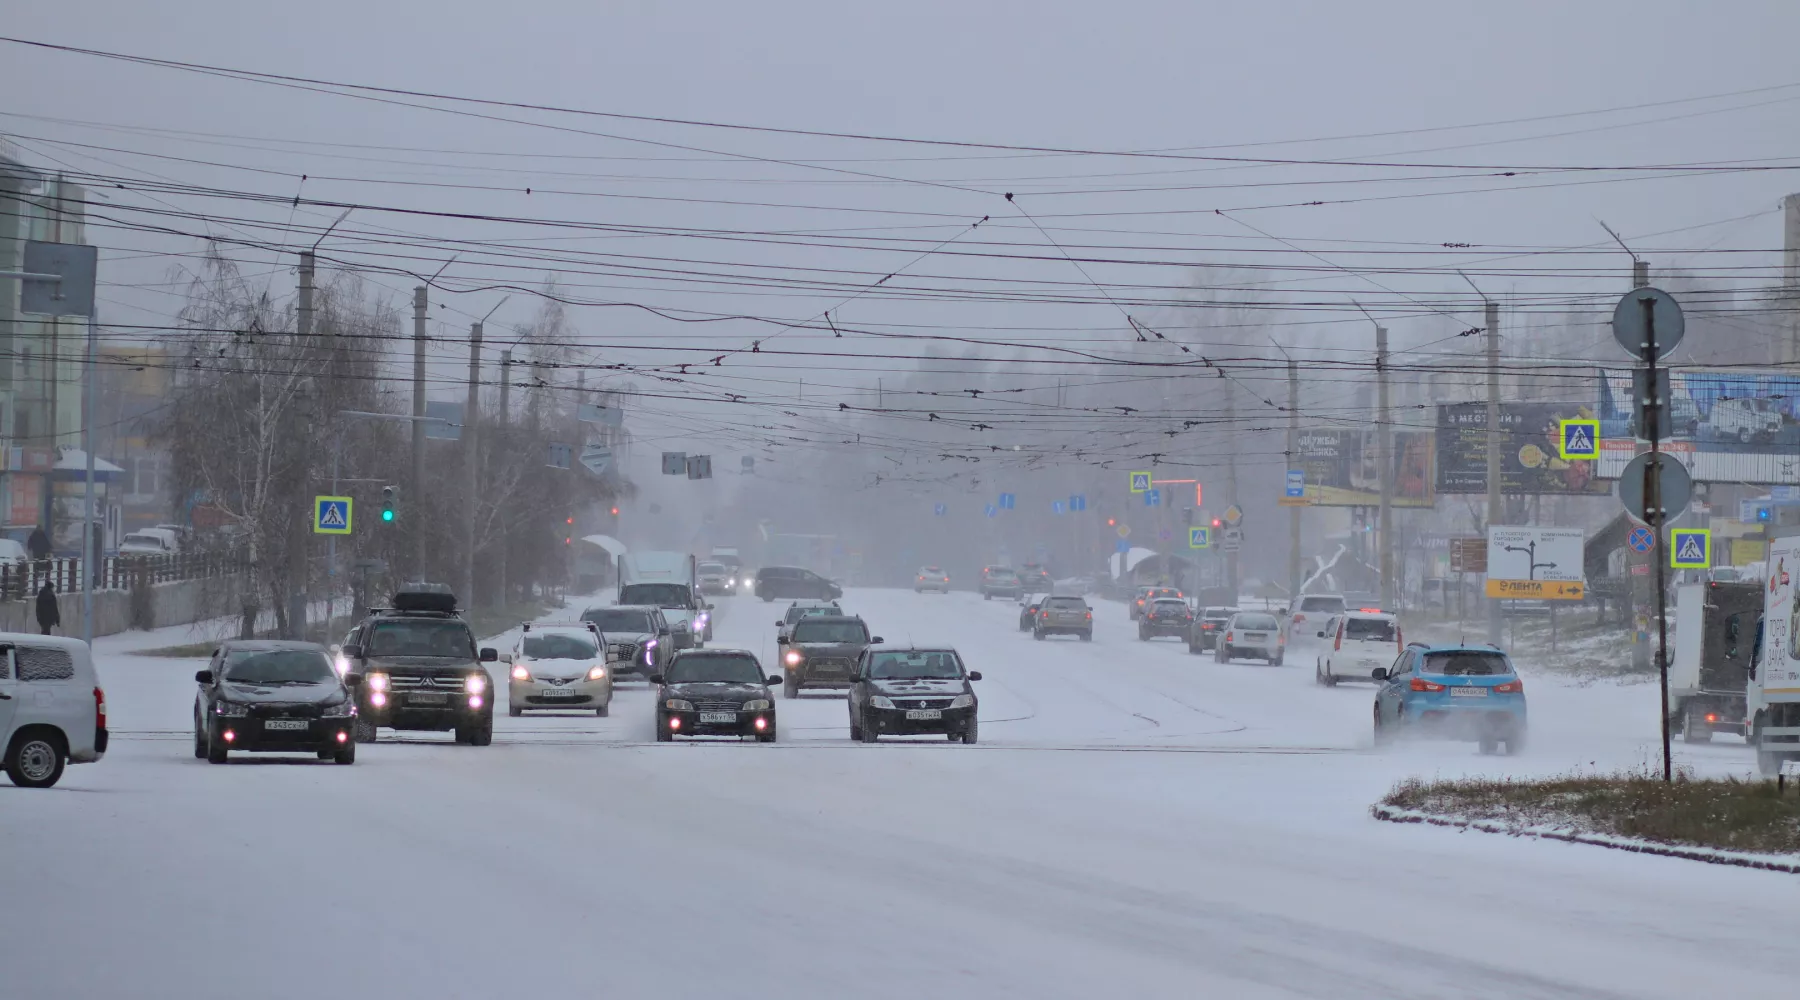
(52, 711)
(150, 542)
(1746, 420)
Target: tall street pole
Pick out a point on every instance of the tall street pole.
(298, 533)
(87, 523)
(1293, 444)
(1494, 516)
(1384, 456)
(415, 511)
(505, 420)
(472, 454)
(1231, 484)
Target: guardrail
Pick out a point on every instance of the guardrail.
(21, 580)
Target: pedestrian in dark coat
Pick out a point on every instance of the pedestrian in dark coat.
(49, 613)
(38, 544)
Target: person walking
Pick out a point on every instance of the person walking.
(38, 545)
(49, 613)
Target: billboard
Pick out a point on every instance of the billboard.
(1734, 426)
(1340, 469)
(1529, 458)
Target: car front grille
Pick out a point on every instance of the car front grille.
(624, 650)
(921, 703)
(829, 666)
(446, 682)
(718, 706)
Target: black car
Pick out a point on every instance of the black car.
(792, 582)
(638, 638)
(1207, 627)
(1028, 610)
(912, 692)
(821, 651)
(1166, 616)
(269, 696)
(420, 669)
(714, 692)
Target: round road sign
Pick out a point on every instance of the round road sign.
(1628, 321)
(1641, 539)
(1677, 487)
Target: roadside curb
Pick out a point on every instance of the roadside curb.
(1710, 855)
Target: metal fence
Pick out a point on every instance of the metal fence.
(21, 580)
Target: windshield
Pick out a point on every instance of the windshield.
(807, 631)
(561, 646)
(914, 663)
(663, 595)
(278, 666)
(714, 668)
(1166, 593)
(422, 638)
(615, 620)
(1369, 628)
(1321, 604)
(931, 571)
(1466, 663)
(137, 539)
(1254, 621)
(711, 569)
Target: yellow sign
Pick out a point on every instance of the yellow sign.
(1293, 502)
(1124, 531)
(1578, 440)
(1537, 590)
(331, 515)
(1747, 551)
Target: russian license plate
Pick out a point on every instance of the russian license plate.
(924, 713)
(284, 723)
(725, 717)
(1255, 636)
(1469, 692)
(556, 693)
(427, 698)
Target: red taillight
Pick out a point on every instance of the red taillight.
(99, 708)
(1710, 717)
(1228, 637)
(1090, 616)
(1299, 617)
(1208, 626)
(1045, 615)
(1421, 684)
(1518, 687)
(1338, 643)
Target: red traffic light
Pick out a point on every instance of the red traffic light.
(1215, 522)
(1112, 522)
(615, 512)
(568, 520)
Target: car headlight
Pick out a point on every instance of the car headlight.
(758, 705)
(700, 620)
(962, 701)
(376, 682)
(879, 702)
(339, 709)
(230, 709)
(519, 673)
(475, 684)
(598, 672)
(679, 705)
(793, 657)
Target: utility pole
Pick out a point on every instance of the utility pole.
(471, 461)
(1384, 456)
(1640, 597)
(416, 515)
(298, 540)
(1231, 483)
(505, 420)
(1492, 318)
(1293, 445)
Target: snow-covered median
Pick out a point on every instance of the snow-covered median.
(1752, 824)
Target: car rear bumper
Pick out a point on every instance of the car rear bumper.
(1156, 629)
(1465, 722)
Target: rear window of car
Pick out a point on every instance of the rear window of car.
(1220, 612)
(1255, 622)
(1002, 574)
(1170, 605)
(1466, 663)
(1333, 604)
(1075, 603)
(665, 595)
(824, 631)
(1165, 593)
(1378, 629)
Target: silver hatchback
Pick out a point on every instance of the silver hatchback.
(1252, 634)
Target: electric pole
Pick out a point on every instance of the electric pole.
(416, 515)
(1231, 484)
(505, 420)
(1385, 459)
(1293, 445)
(471, 462)
(1492, 318)
(298, 534)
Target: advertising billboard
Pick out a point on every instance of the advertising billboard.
(1530, 462)
(1728, 426)
(1339, 468)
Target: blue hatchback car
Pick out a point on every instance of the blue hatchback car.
(1452, 692)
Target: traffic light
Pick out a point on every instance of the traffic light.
(569, 539)
(389, 496)
(615, 512)
(1215, 522)
(1112, 522)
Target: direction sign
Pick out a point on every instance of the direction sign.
(596, 458)
(940, 509)
(1234, 514)
(699, 466)
(1153, 498)
(1296, 483)
(1641, 539)
(1200, 537)
(331, 515)
(1525, 561)
(674, 463)
(1628, 321)
(1690, 548)
(1468, 555)
(992, 511)
(1078, 503)
(1677, 487)
(1007, 501)
(1056, 506)
(1578, 440)
(1140, 482)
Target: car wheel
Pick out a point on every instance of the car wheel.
(871, 730)
(1382, 736)
(366, 732)
(1515, 744)
(216, 750)
(662, 730)
(35, 760)
(1743, 435)
(199, 741)
(604, 710)
(1277, 659)
(1087, 636)
(1331, 679)
(986, 596)
(1038, 634)
(1694, 728)
(1225, 654)
(347, 755)
(482, 735)
(1487, 746)
(855, 728)
(514, 711)
(970, 734)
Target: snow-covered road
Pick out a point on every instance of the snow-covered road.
(1136, 821)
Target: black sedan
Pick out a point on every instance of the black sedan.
(912, 692)
(1166, 616)
(273, 696)
(714, 692)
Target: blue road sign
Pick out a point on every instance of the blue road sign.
(1006, 501)
(939, 509)
(1056, 506)
(1078, 502)
(331, 515)
(1690, 548)
(1641, 539)
(1200, 538)
(1296, 482)
(1153, 497)
(1579, 440)
(1121, 546)
(1139, 481)
(992, 510)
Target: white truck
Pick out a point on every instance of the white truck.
(1715, 641)
(668, 580)
(1772, 697)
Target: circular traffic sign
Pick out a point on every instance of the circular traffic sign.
(1641, 539)
(1676, 487)
(1630, 329)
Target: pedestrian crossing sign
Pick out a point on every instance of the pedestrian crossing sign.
(1140, 482)
(1200, 538)
(1690, 548)
(1578, 440)
(331, 515)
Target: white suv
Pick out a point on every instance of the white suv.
(1359, 642)
(1306, 616)
(52, 710)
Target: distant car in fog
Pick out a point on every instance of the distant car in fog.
(1064, 615)
(639, 640)
(999, 581)
(1028, 610)
(1035, 577)
(793, 582)
(1208, 625)
(1166, 616)
(1252, 633)
(714, 578)
(1145, 595)
(1313, 608)
(821, 651)
(931, 578)
(1745, 420)
(1357, 642)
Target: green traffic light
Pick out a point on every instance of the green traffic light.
(387, 515)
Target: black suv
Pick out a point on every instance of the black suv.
(1166, 616)
(912, 692)
(639, 640)
(420, 670)
(821, 651)
(265, 695)
(792, 582)
(714, 692)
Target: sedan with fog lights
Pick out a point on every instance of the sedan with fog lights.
(559, 666)
(715, 692)
(270, 696)
(912, 692)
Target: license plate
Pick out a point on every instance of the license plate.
(1469, 692)
(924, 713)
(1256, 636)
(284, 724)
(726, 717)
(431, 698)
(556, 693)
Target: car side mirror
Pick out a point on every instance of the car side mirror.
(1379, 673)
(506, 657)
(710, 607)
(878, 640)
(489, 654)
(355, 652)
(336, 649)
(656, 679)
(772, 679)
(974, 675)
(353, 680)
(779, 623)
(203, 677)
(1321, 635)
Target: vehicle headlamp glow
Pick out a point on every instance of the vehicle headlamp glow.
(376, 682)
(879, 702)
(679, 705)
(793, 657)
(230, 709)
(475, 684)
(962, 701)
(339, 710)
(598, 672)
(519, 673)
(758, 705)
(701, 619)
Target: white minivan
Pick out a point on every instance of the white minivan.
(52, 711)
